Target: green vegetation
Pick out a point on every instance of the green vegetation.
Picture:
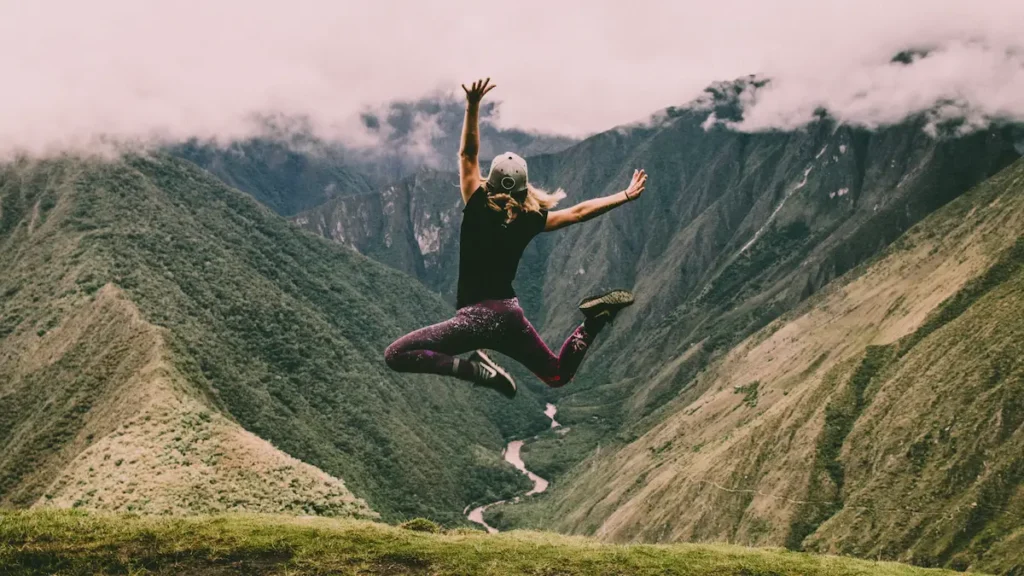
(279, 330)
(749, 393)
(546, 455)
(1008, 264)
(825, 492)
(280, 175)
(745, 275)
(421, 525)
(74, 543)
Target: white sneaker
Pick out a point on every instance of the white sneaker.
(491, 375)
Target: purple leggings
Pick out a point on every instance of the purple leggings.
(498, 325)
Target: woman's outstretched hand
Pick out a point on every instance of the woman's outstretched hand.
(636, 186)
(476, 93)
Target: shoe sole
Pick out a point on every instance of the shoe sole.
(485, 359)
(613, 299)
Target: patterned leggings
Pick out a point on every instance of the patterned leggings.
(498, 325)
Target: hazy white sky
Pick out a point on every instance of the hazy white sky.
(76, 70)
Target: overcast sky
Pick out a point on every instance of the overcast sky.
(76, 70)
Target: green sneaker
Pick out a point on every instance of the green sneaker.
(490, 375)
(604, 307)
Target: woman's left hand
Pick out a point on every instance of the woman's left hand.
(476, 92)
(636, 186)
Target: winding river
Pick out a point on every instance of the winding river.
(511, 454)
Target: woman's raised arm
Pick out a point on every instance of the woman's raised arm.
(469, 152)
(593, 208)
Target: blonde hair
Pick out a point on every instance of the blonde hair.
(536, 199)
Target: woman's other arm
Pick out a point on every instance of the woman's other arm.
(469, 152)
(593, 208)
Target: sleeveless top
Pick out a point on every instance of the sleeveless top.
(490, 249)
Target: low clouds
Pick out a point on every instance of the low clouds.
(79, 73)
(966, 83)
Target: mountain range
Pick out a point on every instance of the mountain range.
(824, 352)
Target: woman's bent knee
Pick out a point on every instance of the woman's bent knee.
(393, 355)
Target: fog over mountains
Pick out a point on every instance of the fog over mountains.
(111, 73)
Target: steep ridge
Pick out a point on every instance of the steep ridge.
(881, 418)
(93, 414)
(152, 320)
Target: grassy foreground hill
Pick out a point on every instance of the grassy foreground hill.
(168, 345)
(75, 543)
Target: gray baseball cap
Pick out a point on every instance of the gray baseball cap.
(508, 173)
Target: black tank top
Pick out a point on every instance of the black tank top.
(490, 249)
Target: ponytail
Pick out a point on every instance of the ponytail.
(536, 200)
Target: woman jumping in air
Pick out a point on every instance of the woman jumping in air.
(501, 216)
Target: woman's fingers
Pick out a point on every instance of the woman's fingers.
(639, 182)
(478, 88)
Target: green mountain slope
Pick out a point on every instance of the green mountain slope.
(286, 177)
(882, 418)
(411, 225)
(149, 307)
(71, 543)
